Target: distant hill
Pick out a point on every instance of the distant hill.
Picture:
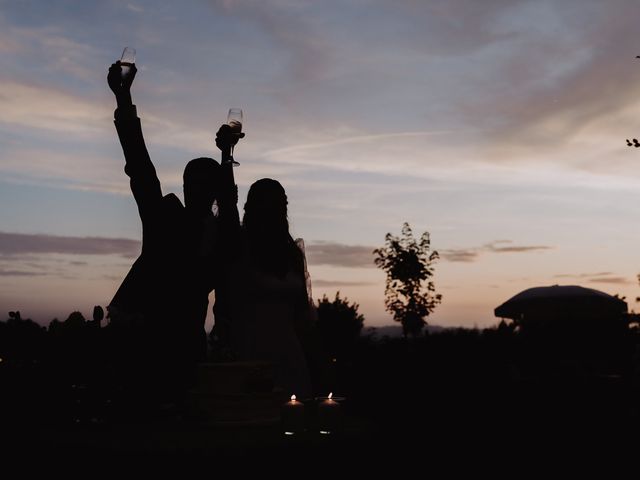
(395, 331)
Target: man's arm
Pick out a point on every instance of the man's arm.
(138, 166)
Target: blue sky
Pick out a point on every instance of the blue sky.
(498, 126)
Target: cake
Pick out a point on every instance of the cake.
(236, 393)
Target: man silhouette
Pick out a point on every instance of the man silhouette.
(162, 303)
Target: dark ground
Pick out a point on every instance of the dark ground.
(451, 398)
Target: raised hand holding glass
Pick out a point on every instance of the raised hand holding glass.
(234, 120)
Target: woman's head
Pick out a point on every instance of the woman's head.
(267, 228)
(266, 207)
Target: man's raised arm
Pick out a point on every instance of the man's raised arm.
(144, 180)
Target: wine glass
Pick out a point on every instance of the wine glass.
(234, 120)
(127, 59)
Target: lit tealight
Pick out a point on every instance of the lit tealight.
(293, 417)
(329, 415)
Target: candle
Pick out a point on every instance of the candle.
(292, 416)
(329, 415)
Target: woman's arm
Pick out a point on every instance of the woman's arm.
(227, 196)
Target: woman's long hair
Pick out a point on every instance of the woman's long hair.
(271, 248)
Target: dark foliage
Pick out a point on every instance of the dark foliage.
(339, 325)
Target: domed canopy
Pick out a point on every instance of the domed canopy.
(561, 301)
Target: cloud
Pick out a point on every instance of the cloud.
(8, 45)
(542, 94)
(600, 277)
(290, 27)
(348, 140)
(19, 244)
(135, 8)
(18, 273)
(582, 275)
(112, 278)
(459, 255)
(50, 46)
(304, 37)
(50, 109)
(493, 247)
(611, 280)
(368, 149)
(469, 255)
(446, 28)
(339, 283)
(339, 255)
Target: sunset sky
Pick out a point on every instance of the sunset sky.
(498, 126)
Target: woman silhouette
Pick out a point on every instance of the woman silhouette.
(270, 307)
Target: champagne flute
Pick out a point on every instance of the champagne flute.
(234, 120)
(127, 59)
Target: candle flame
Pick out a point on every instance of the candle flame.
(293, 398)
(330, 395)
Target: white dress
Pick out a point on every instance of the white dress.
(265, 311)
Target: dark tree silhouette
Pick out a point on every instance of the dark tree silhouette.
(75, 320)
(21, 338)
(339, 325)
(410, 292)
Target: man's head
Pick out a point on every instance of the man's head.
(200, 184)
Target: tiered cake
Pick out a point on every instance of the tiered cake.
(236, 393)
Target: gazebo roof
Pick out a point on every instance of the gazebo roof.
(565, 299)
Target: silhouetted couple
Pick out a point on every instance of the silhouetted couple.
(187, 251)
